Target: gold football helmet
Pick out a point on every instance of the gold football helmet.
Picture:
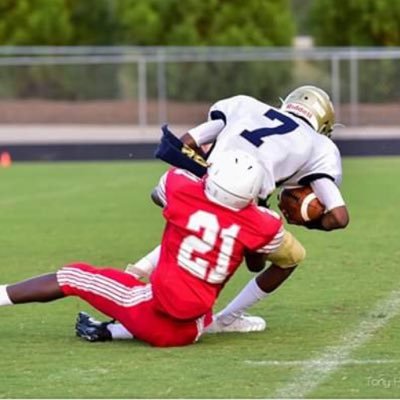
(314, 105)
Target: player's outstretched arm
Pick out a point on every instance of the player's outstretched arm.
(188, 140)
(337, 216)
(145, 266)
(203, 134)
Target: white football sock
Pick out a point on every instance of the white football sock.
(249, 295)
(118, 332)
(4, 298)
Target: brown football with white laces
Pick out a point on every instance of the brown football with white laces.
(300, 205)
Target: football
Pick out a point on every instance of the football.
(300, 205)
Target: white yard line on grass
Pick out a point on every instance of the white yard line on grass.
(318, 363)
(315, 371)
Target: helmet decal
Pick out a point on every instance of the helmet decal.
(314, 105)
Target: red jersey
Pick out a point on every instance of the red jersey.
(203, 244)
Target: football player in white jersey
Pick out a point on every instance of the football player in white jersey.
(294, 146)
(292, 143)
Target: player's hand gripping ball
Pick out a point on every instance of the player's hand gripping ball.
(300, 205)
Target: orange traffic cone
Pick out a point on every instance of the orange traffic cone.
(5, 159)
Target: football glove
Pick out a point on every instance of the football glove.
(174, 152)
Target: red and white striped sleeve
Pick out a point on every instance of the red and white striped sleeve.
(274, 244)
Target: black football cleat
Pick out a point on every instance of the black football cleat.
(86, 327)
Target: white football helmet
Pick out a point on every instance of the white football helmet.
(234, 179)
(314, 105)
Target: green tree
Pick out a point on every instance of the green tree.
(140, 22)
(150, 23)
(207, 22)
(212, 23)
(34, 22)
(57, 22)
(146, 22)
(356, 22)
(94, 21)
(253, 22)
(362, 23)
(301, 11)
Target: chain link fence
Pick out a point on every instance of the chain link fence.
(154, 85)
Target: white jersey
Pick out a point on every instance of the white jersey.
(291, 152)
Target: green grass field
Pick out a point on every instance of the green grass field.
(329, 333)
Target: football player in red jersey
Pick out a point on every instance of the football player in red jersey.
(212, 224)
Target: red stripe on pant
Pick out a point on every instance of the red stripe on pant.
(130, 301)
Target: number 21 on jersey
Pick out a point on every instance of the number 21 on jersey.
(207, 223)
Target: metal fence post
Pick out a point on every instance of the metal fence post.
(354, 87)
(161, 88)
(335, 85)
(142, 92)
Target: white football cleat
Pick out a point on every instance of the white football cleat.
(243, 323)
